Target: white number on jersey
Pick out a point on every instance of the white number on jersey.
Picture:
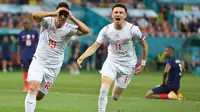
(28, 42)
(180, 66)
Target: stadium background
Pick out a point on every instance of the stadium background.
(164, 22)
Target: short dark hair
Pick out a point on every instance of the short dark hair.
(63, 4)
(120, 5)
(170, 47)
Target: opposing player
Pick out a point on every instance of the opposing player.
(49, 55)
(169, 89)
(121, 60)
(28, 39)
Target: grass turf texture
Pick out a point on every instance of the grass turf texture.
(80, 94)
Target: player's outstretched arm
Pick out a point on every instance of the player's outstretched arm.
(91, 50)
(82, 28)
(144, 45)
(38, 16)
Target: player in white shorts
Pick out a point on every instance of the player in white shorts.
(121, 61)
(49, 55)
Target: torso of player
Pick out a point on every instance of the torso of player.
(121, 48)
(174, 73)
(28, 42)
(28, 39)
(52, 43)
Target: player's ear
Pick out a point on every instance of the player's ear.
(112, 15)
(125, 15)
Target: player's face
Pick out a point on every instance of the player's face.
(27, 26)
(167, 52)
(119, 15)
(62, 17)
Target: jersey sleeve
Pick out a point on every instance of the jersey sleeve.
(169, 62)
(72, 29)
(101, 36)
(137, 34)
(46, 21)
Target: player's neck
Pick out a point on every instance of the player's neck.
(28, 30)
(120, 26)
(57, 24)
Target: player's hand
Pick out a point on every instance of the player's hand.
(69, 14)
(79, 62)
(59, 9)
(139, 69)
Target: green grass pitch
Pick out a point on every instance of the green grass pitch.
(80, 93)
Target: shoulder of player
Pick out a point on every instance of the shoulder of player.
(21, 32)
(107, 27)
(133, 27)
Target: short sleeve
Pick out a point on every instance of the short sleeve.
(73, 29)
(101, 36)
(169, 62)
(46, 21)
(137, 34)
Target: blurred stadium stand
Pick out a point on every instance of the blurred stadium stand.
(164, 22)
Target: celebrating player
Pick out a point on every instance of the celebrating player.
(174, 71)
(28, 39)
(121, 60)
(49, 55)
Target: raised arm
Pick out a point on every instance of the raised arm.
(82, 28)
(91, 50)
(38, 16)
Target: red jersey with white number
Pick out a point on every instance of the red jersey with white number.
(52, 42)
(122, 43)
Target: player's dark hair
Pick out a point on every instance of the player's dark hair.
(63, 4)
(170, 47)
(120, 5)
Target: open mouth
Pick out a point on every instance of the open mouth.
(117, 19)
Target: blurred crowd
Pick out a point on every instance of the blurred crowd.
(31, 2)
(9, 20)
(109, 3)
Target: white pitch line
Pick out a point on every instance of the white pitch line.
(88, 95)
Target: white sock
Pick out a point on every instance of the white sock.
(30, 102)
(103, 98)
(169, 96)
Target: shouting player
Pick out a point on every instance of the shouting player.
(28, 39)
(174, 71)
(49, 55)
(121, 60)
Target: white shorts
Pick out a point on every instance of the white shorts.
(120, 73)
(45, 75)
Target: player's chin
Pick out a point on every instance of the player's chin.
(118, 22)
(62, 22)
